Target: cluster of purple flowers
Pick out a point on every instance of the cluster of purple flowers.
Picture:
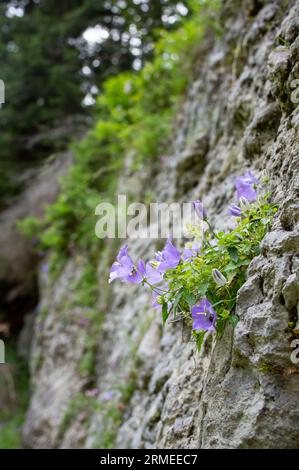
(152, 273)
(246, 193)
(204, 317)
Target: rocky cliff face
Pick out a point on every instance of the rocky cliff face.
(153, 390)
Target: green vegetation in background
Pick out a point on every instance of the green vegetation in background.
(134, 113)
(79, 405)
(12, 417)
(86, 292)
(111, 411)
(48, 67)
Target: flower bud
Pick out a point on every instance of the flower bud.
(218, 277)
(244, 203)
(235, 210)
(198, 207)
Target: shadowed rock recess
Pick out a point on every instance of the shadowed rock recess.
(154, 390)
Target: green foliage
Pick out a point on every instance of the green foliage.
(57, 67)
(80, 404)
(87, 363)
(46, 46)
(12, 417)
(228, 252)
(268, 368)
(85, 296)
(30, 226)
(8, 187)
(86, 289)
(134, 113)
(82, 407)
(111, 422)
(138, 107)
(112, 413)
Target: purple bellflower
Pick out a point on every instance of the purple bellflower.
(190, 253)
(204, 316)
(124, 269)
(245, 186)
(152, 275)
(169, 258)
(198, 207)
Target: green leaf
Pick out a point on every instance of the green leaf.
(231, 304)
(199, 337)
(224, 314)
(190, 299)
(220, 325)
(165, 313)
(233, 319)
(176, 301)
(233, 253)
(203, 288)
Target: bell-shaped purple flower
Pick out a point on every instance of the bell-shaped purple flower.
(124, 269)
(190, 253)
(235, 210)
(198, 207)
(169, 258)
(245, 186)
(152, 275)
(141, 267)
(204, 316)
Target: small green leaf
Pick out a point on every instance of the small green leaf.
(220, 325)
(203, 288)
(176, 301)
(190, 299)
(165, 313)
(224, 314)
(233, 253)
(199, 337)
(265, 221)
(233, 319)
(231, 304)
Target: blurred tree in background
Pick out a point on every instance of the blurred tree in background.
(54, 57)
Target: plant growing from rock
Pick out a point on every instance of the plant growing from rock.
(200, 285)
(132, 117)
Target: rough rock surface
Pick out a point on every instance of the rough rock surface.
(16, 253)
(241, 392)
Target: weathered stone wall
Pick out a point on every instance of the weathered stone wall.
(242, 391)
